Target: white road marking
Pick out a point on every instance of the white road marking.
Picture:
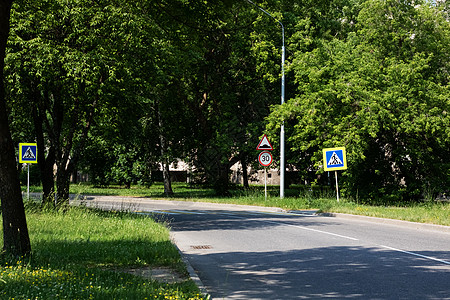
(416, 254)
(239, 215)
(314, 230)
(297, 226)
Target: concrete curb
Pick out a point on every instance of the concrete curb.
(192, 274)
(423, 226)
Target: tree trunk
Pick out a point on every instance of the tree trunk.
(45, 163)
(165, 168)
(74, 175)
(244, 171)
(165, 161)
(68, 157)
(47, 178)
(62, 187)
(166, 177)
(221, 182)
(16, 240)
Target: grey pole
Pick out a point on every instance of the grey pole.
(282, 158)
(28, 182)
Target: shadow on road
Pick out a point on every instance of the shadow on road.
(234, 220)
(329, 272)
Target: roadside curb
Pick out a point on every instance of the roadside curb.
(193, 275)
(416, 225)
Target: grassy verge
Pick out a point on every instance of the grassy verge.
(297, 198)
(437, 213)
(432, 213)
(77, 252)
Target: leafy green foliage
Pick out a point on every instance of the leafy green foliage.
(381, 93)
(62, 69)
(121, 88)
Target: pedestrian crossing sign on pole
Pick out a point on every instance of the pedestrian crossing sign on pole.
(334, 159)
(28, 153)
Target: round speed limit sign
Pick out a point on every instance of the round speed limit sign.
(265, 158)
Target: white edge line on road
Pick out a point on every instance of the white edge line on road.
(185, 212)
(297, 226)
(155, 212)
(323, 232)
(354, 239)
(172, 212)
(315, 230)
(417, 254)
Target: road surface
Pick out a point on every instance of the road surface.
(244, 252)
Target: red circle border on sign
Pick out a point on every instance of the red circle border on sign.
(264, 164)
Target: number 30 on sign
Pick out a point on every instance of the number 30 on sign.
(265, 158)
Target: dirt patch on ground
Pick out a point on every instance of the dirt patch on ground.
(160, 274)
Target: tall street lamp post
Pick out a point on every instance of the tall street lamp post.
(282, 159)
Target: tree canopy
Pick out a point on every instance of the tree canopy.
(379, 88)
(115, 88)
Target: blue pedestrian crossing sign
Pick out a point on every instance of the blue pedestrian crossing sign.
(334, 159)
(28, 153)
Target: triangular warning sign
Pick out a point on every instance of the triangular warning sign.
(334, 160)
(29, 154)
(264, 144)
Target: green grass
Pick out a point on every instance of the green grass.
(77, 252)
(297, 198)
(156, 190)
(427, 212)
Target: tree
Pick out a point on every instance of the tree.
(154, 81)
(70, 63)
(226, 86)
(381, 90)
(15, 231)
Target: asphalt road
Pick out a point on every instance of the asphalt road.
(255, 253)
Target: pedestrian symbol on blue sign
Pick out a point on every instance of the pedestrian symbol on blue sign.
(334, 159)
(28, 153)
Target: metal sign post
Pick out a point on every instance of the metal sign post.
(337, 187)
(265, 183)
(28, 182)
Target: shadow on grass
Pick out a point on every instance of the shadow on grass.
(114, 253)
